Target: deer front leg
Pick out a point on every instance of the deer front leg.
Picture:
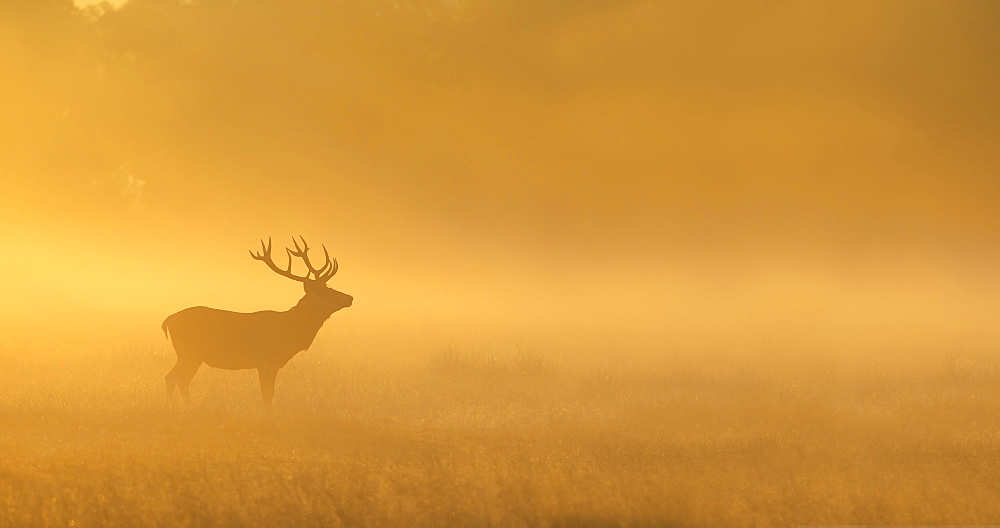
(267, 375)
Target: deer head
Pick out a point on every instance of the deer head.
(315, 279)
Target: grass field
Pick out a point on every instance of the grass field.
(458, 439)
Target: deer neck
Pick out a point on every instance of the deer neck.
(308, 317)
(311, 311)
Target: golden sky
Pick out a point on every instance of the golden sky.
(637, 167)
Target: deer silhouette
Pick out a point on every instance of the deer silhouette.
(265, 340)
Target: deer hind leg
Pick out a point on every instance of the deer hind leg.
(267, 376)
(171, 379)
(181, 375)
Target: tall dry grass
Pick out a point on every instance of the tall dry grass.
(465, 439)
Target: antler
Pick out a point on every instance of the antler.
(321, 275)
(327, 270)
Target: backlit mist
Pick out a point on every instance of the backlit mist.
(631, 263)
(641, 172)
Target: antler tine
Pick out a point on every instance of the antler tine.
(326, 262)
(299, 251)
(333, 270)
(264, 255)
(322, 274)
(333, 266)
(303, 252)
(264, 250)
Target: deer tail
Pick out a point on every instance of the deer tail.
(164, 328)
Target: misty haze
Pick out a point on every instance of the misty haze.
(591, 263)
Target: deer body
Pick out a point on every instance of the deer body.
(233, 340)
(265, 340)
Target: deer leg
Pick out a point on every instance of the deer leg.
(267, 376)
(183, 373)
(171, 379)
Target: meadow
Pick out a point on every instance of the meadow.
(459, 438)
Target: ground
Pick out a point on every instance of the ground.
(457, 439)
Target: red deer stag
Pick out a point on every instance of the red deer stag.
(261, 340)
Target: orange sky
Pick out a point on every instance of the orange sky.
(638, 167)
